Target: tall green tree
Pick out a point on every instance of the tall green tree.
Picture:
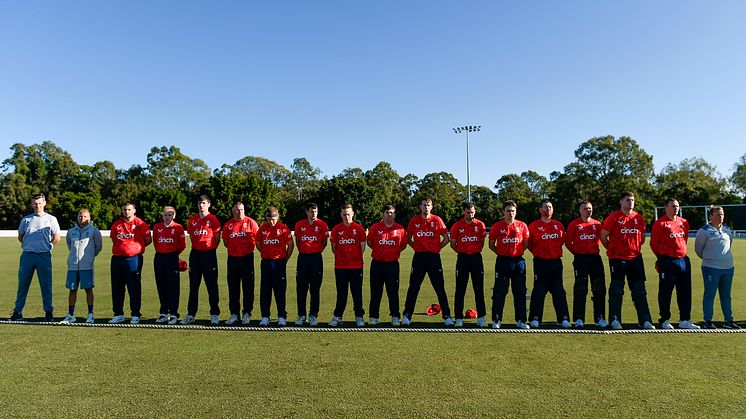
(447, 193)
(693, 181)
(739, 177)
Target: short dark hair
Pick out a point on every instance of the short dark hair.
(669, 200)
(583, 202)
(544, 202)
(389, 207)
(39, 195)
(311, 205)
(271, 211)
(509, 203)
(236, 202)
(714, 208)
(204, 198)
(345, 206)
(626, 194)
(128, 203)
(467, 205)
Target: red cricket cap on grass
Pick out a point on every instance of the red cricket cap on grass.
(183, 266)
(433, 310)
(471, 314)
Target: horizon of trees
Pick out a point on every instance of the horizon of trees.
(602, 169)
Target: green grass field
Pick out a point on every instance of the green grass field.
(76, 371)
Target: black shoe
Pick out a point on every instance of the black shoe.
(48, 316)
(709, 325)
(16, 316)
(731, 325)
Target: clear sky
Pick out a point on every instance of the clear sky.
(352, 83)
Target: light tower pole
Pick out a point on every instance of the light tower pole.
(467, 129)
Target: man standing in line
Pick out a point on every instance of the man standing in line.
(348, 245)
(583, 238)
(275, 243)
(546, 237)
(169, 241)
(311, 238)
(427, 234)
(38, 233)
(467, 239)
(623, 234)
(509, 239)
(239, 237)
(204, 233)
(85, 243)
(668, 239)
(386, 239)
(129, 235)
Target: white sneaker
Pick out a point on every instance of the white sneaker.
(534, 324)
(359, 321)
(232, 319)
(90, 318)
(601, 323)
(481, 322)
(281, 321)
(313, 321)
(301, 321)
(448, 321)
(163, 318)
(565, 324)
(496, 325)
(372, 321)
(135, 320)
(395, 321)
(69, 319)
(245, 319)
(579, 324)
(117, 319)
(335, 321)
(214, 319)
(173, 319)
(522, 325)
(188, 319)
(648, 326)
(459, 323)
(666, 325)
(686, 324)
(616, 325)
(264, 321)
(405, 321)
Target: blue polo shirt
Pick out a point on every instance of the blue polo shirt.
(37, 231)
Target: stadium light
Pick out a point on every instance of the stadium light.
(467, 129)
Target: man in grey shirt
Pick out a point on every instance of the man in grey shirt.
(38, 233)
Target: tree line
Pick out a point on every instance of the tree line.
(602, 169)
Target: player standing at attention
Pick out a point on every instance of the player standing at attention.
(467, 239)
(85, 243)
(239, 237)
(348, 245)
(169, 241)
(275, 243)
(311, 238)
(386, 239)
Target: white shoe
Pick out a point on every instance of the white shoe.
(188, 319)
(448, 321)
(481, 322)
(616, 325)
(372, 321)
(90, 318)
(459, 323)
(534, 324)
(173, 319)
(214, 319)
(69, 319)
(117, 319)
(648, 326)
(313, 321)
(359, 321)
(496, 325)
(163, 318)
(565, 324)
(579, 324)
(335, 321)
(301, 321)
(281, 321)
(686, 324)
(245, 319)
(232, 319)
(264, 321)
(601, 323)
(405, 321)
(395, 321)
(522, 325)
(666, 325)
(135, 320)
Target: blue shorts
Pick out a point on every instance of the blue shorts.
(84, 279)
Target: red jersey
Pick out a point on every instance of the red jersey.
(309, 238)
(129, 238)
(347, 240)
(239, 236)
(626, 234)
(509, 238)
(273, 240)
(386, 243)
(204, 232)
(668, 237)
(169, 239)
(426, 233)
(546, 239)
(469, 237)
(583, 237)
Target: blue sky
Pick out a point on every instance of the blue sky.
(349, 84)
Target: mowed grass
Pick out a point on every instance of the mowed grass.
(66, 371)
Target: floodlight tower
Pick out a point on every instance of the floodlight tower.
(467, 129)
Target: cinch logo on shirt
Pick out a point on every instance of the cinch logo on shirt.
(385, 242)
(309, 239)
(508, 240)
(548, 236)
(675, 235)
(425, 234)
(199, 232)
(165, 240)
(239, 234)
(347, 241)
(271, 241)
(469, 239)
(126, 236)
(626, 230)
(587, 237)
